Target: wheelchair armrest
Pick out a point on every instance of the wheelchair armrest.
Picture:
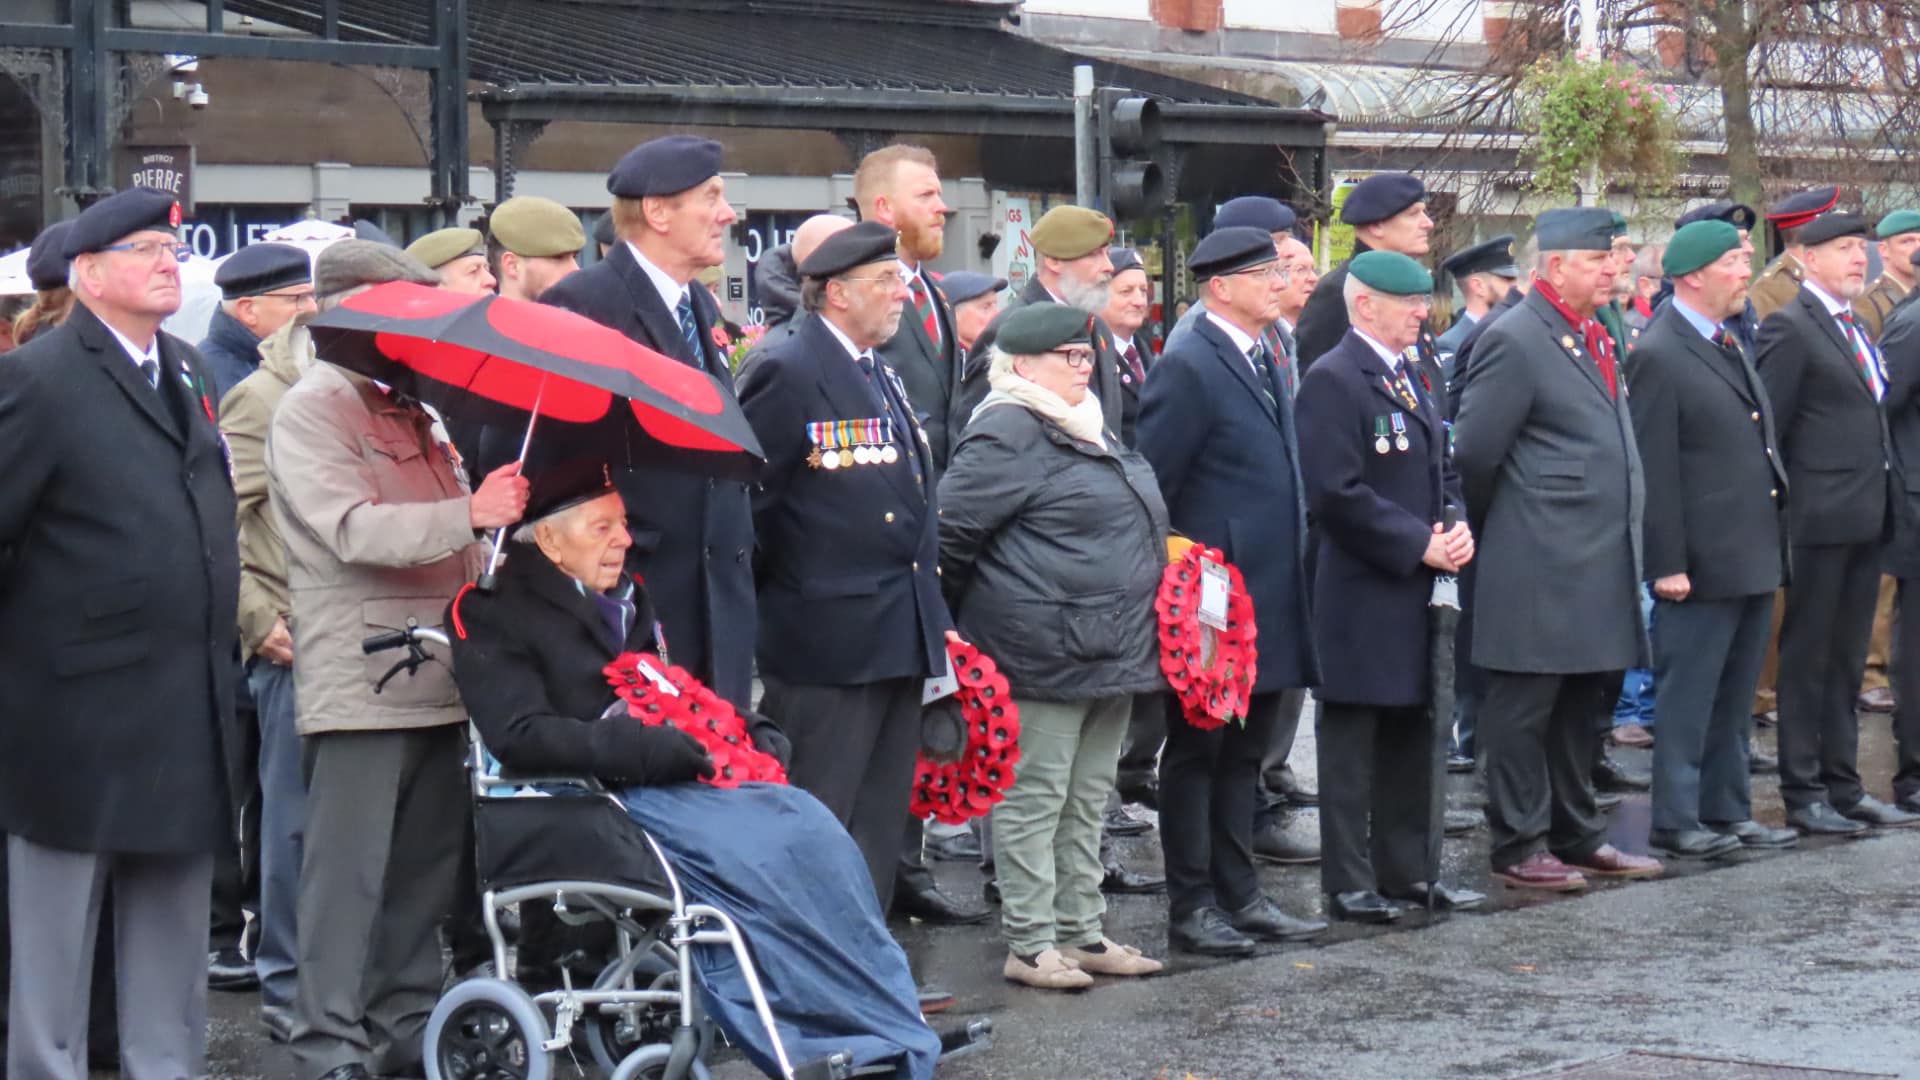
(588, 784)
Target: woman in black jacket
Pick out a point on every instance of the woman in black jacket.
(1052, 543)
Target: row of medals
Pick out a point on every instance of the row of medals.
(840, 444)
(859, 455)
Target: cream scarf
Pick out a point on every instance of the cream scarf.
(1084, 421)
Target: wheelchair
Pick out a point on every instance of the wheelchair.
(568, 842)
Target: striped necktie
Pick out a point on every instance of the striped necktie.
(690, 330)
(923, 304)
(1862, 352)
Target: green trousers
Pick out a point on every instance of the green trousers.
(1046, 835)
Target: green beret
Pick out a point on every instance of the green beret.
(1619, 224)
(442, 246)
(1068, 232)
(1042, 328)
(1698, 244)
(1391, 272)
(535, 227)
(1900, 221)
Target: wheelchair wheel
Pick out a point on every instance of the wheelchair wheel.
(487, 1029)
(612, 1036)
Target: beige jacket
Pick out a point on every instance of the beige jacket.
(245, 415)
(377, 528)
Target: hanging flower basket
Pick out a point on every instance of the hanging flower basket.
(1587, 115)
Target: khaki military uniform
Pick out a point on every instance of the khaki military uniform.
(1876, 305)
(1777, 284)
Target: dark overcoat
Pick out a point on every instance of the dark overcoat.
(119, 604)
(1549, 466)
(1225, 453)
(1324, 322)
(1900, 353)
(928, 369)
(1372, 515)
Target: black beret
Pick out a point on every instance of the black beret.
(603, 229)
(1124, 259)
(1802, 206)
(261, 268)
(1493, 256)
(1574, 228)
(964, 285)
(1381, 196)
(121, 214)
(668, 165)
(1228, 251)
(1257, 211)
(1044, 327)
(1834, 226)
(1738, 215)
(46, 264)
(367, 230)
(560, 484)
(856, 245)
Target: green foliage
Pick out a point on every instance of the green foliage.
(1582, 114)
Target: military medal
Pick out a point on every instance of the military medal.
(860, 456)
(888, 455)
(1400, 432)
(1379, 434)
(1566, 342)
(846, 459)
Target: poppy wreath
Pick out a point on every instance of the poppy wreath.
(956, 791)
(699, 712)
(1212, 690)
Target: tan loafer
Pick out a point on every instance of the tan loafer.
(1117, 959)
(1049, 971)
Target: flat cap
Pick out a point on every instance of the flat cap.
(964, 285)
(856, 245)
(350, 264)
(442, 246)
(1391, 272)
(1900, 221)
(557, 485)
(603, 229)
(1493, 256)
(1833, 226)
(535, 227)
(1124, 259)
(1381, 196)
(1698, 244)
(1044, 327)
(668, 165)
(261, 268)
(46, 264)
(1574, 228)
(1738, 215)
(1068, 232)
(1802, 206)
(120, 214)
(1229, 251)
(1257, 211)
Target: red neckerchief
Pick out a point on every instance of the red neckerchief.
(1599, 342)
(1642, 306)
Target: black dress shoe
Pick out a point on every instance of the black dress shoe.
(1277, 844)
(1119, 879)
(1362, 907)
(1909, 803)
(1263, 919)
(1462, 822)
(1755, 835)
(1120, 823)
(1289, 787)
(1445, 897)
(960, 847)
(1691, 843)
(1820, 819)
(1146, 793)
(933, 906)
(1459, 763)
(1610, 775)
(1607, 800)
(1871, 811)
(1760, 763)
(1207, 932)
(991, 891)
(355, 1071)
(230, 972)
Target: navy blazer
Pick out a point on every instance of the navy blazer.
(848, 562)
(1228, 464)
(692, 535)
(1372, 515)
(927, 370)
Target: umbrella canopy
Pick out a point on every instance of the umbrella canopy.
(510, 362)
(13, 273)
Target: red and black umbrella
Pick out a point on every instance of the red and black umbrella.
(508, 363)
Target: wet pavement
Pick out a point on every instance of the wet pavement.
(1798, 958)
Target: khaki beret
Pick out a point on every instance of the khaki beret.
(535, 227)
(1068, 232)
(442, 246)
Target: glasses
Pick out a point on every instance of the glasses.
(891, 279)
(1269, 272)
(149, 250)
(1075, 358)
(297, 299)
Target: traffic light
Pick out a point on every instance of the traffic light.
(1131, 184)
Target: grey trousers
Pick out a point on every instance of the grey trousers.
(160, 905)
(283, 820)
(386, 818)
(1538, 738)
(1707, 656)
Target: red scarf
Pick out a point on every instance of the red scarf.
(1599, 342)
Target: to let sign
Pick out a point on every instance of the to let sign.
(163, 168)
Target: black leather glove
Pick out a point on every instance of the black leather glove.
(768, 738)
(654, 755)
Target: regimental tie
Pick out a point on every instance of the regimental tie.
(923, 303)
(1862, 353)
(1132, 356)
(1263, 366)
(690, 330)
(150, 371)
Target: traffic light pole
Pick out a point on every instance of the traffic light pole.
(1084, 148)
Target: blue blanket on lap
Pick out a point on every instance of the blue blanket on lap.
(782, 867)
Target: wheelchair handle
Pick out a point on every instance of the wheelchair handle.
(412, 635)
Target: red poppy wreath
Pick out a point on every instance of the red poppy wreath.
(688, 705)
(956, 791)
(1210, 669)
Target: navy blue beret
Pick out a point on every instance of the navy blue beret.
(46, 263)
(856, 245)
(367, 230)
(1738, 215)
(1230, 250)
(1833, 227)
(118, 215)
(1574, 228)
(964, 285)
(1381, 196)
(258, 269)
(1494, 256)
(1124, 259)
(668, 165)
(1256, 211)
(603, 229)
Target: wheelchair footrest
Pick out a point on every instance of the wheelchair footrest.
(975, 1036)
(835, 1066)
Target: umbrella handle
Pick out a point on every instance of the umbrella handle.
(486, 580)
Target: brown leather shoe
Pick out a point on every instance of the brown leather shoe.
(1541, 871)
(1611, 862)
(1877, 700)
(1632, 735)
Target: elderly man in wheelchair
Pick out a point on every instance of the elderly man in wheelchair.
(755, 894)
